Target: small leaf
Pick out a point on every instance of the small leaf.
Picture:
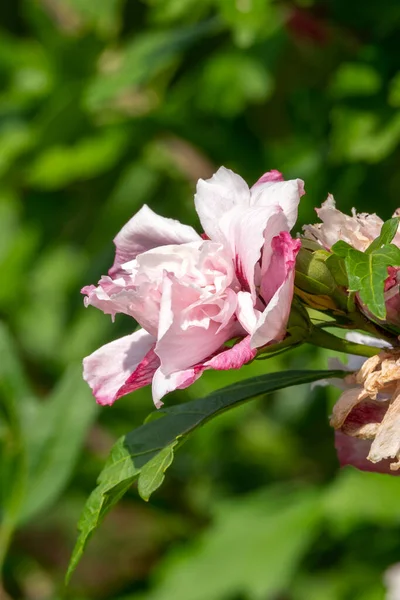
(147, 451)
(153, 472)
(388, 231)
(342, 248)
(367, 272)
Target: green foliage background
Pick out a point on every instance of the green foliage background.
(109, 104)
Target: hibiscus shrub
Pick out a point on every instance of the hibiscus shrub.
(109, 105)
(235, 293)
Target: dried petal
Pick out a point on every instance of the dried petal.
(347, 401)
(387, 441)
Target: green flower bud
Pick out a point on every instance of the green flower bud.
(317, 282)
(312, 274)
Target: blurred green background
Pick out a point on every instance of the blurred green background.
(109, 104)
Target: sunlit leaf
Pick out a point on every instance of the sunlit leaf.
(367, 273)
(147, 451)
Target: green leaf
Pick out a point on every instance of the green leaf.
(153, 473)
(342, 248)
(367, 272)
(338, 269)
(54, 438)
(388, 231)
(146, 452)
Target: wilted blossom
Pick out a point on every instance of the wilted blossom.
(192, 293)
(367, 415)
(358, 230)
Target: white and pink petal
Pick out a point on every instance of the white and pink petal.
(226, 359)
(147, 230)
(120, 367)
(285, 194)
(218, 195)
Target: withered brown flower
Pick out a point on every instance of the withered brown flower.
(370, 410)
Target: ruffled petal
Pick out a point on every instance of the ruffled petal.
(110, 296)
(282, 264)
(121, 366)
(122, 296)
(164, 384)
(272, 323)
(271, 326)
(218, 195)
(147, 230)
(358, 230)
(244, 230)
(179, 349)
(246, 313)
(285, 194)
(232, 358)
(229, 358)
(273, 175)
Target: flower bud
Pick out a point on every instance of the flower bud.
(314, 282)
(312, 274)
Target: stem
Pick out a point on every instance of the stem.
(323, 339)
(374, 329)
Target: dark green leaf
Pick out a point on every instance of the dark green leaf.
(147, 451)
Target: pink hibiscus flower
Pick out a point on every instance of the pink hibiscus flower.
(191, 294)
